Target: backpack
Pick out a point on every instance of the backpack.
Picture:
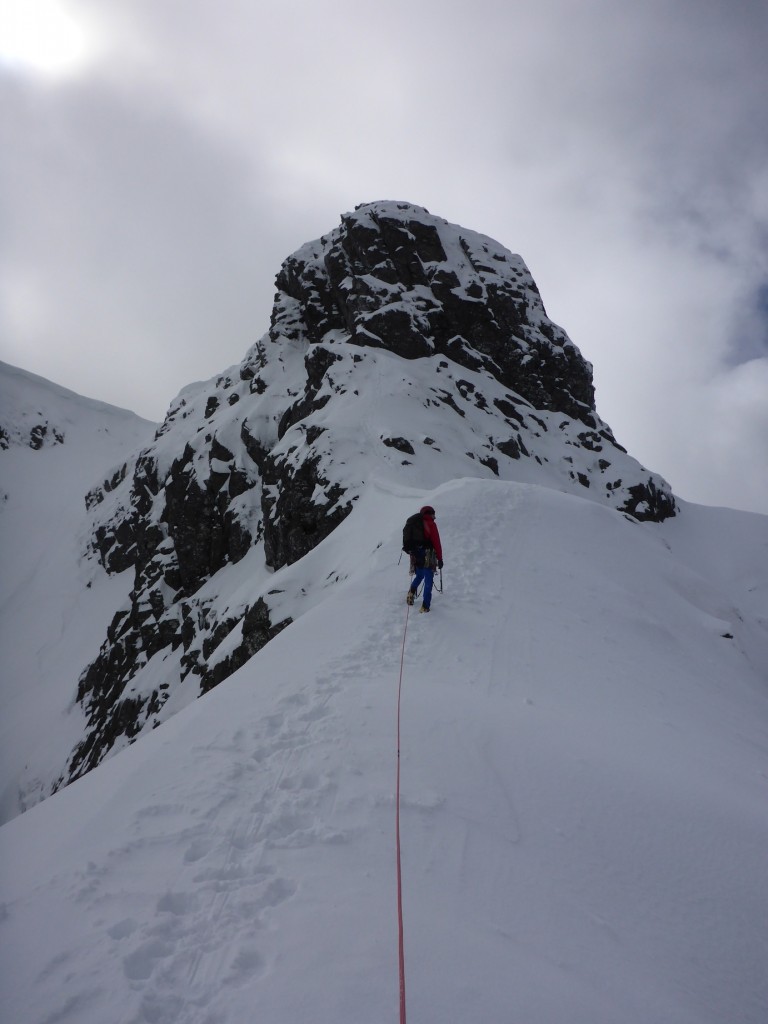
(413, 532)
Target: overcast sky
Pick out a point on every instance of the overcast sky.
(158, 161)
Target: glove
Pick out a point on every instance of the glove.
(439, 563)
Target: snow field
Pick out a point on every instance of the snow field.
(55, 605)
(584, 763)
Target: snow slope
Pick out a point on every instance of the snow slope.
(54, 604)
(584, 759)
(401, 349)
(224, 465)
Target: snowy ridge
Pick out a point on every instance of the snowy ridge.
(54, 604)
(585, 752)
(36, 413)
(402, 350)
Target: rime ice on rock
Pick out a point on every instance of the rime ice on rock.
(401, 348)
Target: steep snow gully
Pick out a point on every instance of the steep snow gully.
(584, 770)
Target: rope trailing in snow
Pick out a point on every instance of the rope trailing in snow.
(401, 945)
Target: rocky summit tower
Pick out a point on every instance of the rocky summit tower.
(401, 349)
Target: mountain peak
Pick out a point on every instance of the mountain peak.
(403, 351)
(396, 277)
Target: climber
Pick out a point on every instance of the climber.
(421, 540)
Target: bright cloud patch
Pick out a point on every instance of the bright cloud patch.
(42, 37)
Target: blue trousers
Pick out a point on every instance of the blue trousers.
(428, 578)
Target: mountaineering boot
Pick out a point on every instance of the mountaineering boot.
(424, 608)
(409, 596)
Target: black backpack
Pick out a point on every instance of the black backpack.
(413, 532)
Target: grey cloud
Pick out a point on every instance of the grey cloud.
(621, 149)
(136, 234)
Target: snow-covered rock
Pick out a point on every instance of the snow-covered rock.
(55, 604)
(401, 348)
(584, 741)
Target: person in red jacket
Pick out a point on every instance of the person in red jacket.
(425, 559)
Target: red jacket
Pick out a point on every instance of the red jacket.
(432, 536)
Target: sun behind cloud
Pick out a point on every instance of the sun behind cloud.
(43, 37)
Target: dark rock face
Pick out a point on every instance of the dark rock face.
(391, 276)
(40, 435)
(395, 309)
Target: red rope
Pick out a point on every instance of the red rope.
(401, 946)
